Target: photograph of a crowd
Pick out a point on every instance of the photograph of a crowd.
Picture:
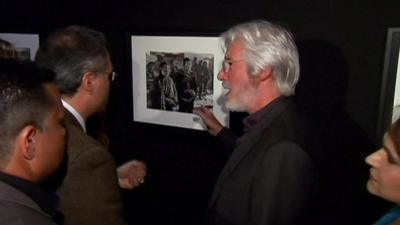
(179, 81)
(172, 76)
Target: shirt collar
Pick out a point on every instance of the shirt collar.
(75, 113)
(253, 119)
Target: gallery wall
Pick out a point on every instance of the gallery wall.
(341, 44)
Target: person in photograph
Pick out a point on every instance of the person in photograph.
(269, 177)
(186, 87)
(7, 50)
(384, 178)
(195, 67)
(202, 79)
(88, 184)
(154, 91)
(32, 143)
(175, 70)
(169, 94)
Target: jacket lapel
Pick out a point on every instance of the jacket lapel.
(239, 153)
(71, 118)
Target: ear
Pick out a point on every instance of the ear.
(27, 139)
(266, 74)
(88, 81)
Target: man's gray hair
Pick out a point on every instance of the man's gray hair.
(71, 52)
(266, 45)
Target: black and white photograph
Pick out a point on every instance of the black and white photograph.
(179, 81)
(25, 44)
(174, 75)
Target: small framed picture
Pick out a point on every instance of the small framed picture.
(26, 44)
(172, 76)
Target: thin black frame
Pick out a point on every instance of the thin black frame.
(388, 87)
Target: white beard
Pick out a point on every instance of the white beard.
(240, 100)
(235, 106)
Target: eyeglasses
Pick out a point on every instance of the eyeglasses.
(112, 76)
(227, 63)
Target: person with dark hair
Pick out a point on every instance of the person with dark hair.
(269, 177)
(175, 70)
(384, 180)
(153, 89)
(89, 192)
(166, 85)
(186, 86)
(32, 143)
(7, 50)
(202, 79)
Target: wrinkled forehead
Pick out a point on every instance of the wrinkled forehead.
(235, 50)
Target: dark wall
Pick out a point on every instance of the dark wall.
(358, 30)
(341, 44)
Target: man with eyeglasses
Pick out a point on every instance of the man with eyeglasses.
(269, 177)
(88, 184)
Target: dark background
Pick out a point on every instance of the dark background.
(341, 45)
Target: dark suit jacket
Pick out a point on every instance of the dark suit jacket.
(18, 209)
(89, 192)
(269, 178)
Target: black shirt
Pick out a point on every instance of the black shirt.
(253, 119)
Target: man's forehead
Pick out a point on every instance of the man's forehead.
(235, 47)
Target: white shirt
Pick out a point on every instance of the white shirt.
(75, 113)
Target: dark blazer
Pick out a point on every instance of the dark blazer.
(18, 209)
(89, 192)
(269, 178)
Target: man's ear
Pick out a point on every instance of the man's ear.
(266, 74)
(27, 139)
(88, 81)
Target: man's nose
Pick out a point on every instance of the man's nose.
(221, 75)
(374, 158)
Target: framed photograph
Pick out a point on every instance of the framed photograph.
(389, 109)
(172, 75)
(26, 44)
